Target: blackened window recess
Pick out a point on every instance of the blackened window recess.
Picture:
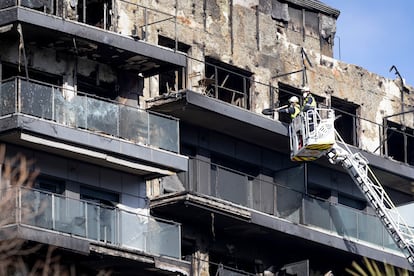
(399, 142)
(172, 80)
(346, 122)
(229, 83)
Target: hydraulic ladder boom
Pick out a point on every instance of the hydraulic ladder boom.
(357, 167)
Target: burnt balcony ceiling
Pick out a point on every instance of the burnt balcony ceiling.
(74, 38)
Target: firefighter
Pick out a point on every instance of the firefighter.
(308, 107)
(308, 100)
(293, 109)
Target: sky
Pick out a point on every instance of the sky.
(376, 34)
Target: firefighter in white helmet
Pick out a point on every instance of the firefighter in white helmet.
(309, 102)
(294, 107)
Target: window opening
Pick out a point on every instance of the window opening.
(174, 79)
(49, 184)
(11, 70)
(227, 83)
(346, 120)
(400, 142)
(287, 91)
(91, 85)
(95, 12)
(98, 196)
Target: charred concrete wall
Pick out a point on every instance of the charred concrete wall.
(267, 38)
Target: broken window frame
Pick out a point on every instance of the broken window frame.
(398, 142)
(106, 6)
(227, 83)
(346, 113)
(173, 80)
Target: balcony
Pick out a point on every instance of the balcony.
(46, 110)
(44, 25)
(94, 223)
(332, 223)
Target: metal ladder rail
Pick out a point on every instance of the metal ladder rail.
(391, 219)
(357, 167)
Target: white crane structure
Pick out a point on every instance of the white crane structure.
(312, 135)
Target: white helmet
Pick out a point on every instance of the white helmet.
(293, 99)
(305, 89)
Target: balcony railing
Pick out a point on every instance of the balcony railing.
(290, 203)
(83, 111)
(83, 219)
(142, 17)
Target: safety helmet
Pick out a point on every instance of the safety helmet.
(293, 99)
(305, 89)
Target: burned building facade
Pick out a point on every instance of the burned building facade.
(145, 120)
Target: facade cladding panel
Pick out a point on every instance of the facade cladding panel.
(157, 134)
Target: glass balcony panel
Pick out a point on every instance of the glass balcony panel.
(34, 4)
(36, 208)
(317, 213)
(263, 196)
(345, 221)
(133, 230)
(71, 111)
(69, 216)
(370, 229)
(133, 124)
(107, 224)
(9, 211)
(36, 100)
(7, 3)
(79, 111)
(232, 186)
(93, 222)
(388, 241)
(295, 177)
(102, 116)
(163, 239)
(289, 204)
(8, 97)
(163, 132)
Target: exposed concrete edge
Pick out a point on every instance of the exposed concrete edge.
(44, 236)
(159, 262)
(202, 201)
(173, 265)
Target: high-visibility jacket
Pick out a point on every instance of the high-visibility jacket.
(309, 103)
(294, 111)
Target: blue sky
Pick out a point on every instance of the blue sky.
(376, 34)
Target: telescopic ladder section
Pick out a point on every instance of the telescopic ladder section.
(357, 167)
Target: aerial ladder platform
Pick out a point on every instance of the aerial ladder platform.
(312, 135)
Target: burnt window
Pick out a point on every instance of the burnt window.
(287, 91)
(174, 79)
(95, 12)
(399, 142)
(11, 70)
(92, 85)
(227, 83)
(346, 120)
